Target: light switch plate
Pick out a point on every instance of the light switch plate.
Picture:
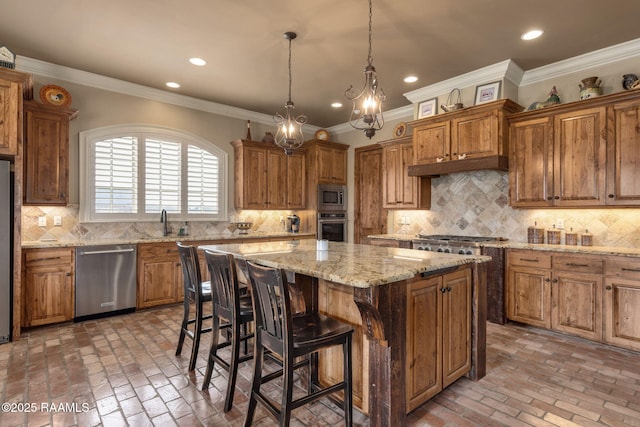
(42, 221)
(57, 220)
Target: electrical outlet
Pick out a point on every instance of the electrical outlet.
(560, 223)
(42, 221)
(57, 221)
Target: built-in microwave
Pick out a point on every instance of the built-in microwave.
(332, 198)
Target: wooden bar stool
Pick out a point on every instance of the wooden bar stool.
(231, 312)
(290, 336)
(195, 291)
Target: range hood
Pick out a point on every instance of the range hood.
(500, 163)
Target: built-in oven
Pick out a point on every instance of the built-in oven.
(332, 198)
(332, 226)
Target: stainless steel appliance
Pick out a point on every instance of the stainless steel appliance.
(447, 243)
(6, 245)
(293, 223)
(105, 281)
(332, 198)
(332, 226)
(474, 245)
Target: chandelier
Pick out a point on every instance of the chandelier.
(366, 113)
(289, 135)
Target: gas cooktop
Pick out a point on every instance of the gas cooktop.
(462, 239)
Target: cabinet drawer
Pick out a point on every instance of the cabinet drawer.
(529, 259)
(623, 267)
(581, 264)
(149, 250)
(44, 257)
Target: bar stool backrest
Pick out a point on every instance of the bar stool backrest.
(192, 278)
(225, 291)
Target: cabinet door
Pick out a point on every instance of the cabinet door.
(254, 179)
(46, 157)
(159, 275)
(431, 142)
(576, 301)
(580, 158)
(424, 341)
(456, 326)
(10, 95)
(531, 163)
(48, 295)
(332, 166)
(623, 170)
(392, 176)
(529, 296)
(408, 188)
(276, 180)
(475, 135)
(296, 182)
(622, 317)
(370, 216)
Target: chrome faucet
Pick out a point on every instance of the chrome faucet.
(163, 220)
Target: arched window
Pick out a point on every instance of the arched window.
(133, 172)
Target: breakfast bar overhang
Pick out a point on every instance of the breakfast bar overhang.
(420, 317)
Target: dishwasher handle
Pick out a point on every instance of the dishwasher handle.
(108, 251)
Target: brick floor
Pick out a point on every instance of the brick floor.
(122, 371)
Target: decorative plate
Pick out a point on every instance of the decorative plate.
(55, 95)
(400, 130)
(322, 135)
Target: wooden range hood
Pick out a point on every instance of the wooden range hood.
(500, 163)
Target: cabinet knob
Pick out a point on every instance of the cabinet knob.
(547, 280)
(612, 196)
(448, 288)
(608, 287)
(455, 154)
(555, 280)
(68, 274)
(549, 198)
(443, 290)
(557, 197)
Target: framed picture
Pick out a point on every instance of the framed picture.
(487, 92)
(428, 108)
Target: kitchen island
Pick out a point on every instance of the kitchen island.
(419, 316)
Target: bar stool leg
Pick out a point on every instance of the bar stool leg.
(348, 398)
(196, 338)
(185, 325)
(257, 381)
(215, 337)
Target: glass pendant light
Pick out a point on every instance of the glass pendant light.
(289, 135)
(366, 113)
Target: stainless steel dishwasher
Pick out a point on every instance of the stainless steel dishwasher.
(105, 281)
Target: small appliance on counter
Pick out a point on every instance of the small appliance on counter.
(293, 223)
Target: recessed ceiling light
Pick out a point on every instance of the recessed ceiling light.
(336, 104)
(410, 79)
(198, 61)
(530, 35)
(173, 85)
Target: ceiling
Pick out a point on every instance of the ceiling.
(149, 42)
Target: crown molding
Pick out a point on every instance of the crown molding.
(84, 78)
(607, 55)
(506, 69)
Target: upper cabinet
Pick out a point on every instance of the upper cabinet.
(469, 139)
(401, 191)
(10, 114)
(46, 151)
(266, 178)
(581, 154)
(326, 163)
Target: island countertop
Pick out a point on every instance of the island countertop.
(360, 266)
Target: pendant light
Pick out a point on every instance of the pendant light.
(289, 135)
(366, 113)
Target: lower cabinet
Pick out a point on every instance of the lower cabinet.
(159, 275)
(438, 334)
(48, 291)
(622, 302)
(590, 296)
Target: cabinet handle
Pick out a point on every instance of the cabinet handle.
(557, 197)
(635, 270)
(529, 260)
(68, 274)
(555, 281)
(448, 288)
(443, 290)
(612, 196)
(549, 198)
(455, 154)
(572, 264)
(547, 280)
(608, 287)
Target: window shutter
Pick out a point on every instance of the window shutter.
(162, 176)
(116, 175)
(202, 182)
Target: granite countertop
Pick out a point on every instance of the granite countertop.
(596, 250)
(160, 239)
(360, 266)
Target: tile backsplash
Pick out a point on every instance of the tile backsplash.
(477, 204)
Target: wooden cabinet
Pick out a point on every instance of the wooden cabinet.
(401, 191)
(438, 334)
(10, 116)
(332, 164)
(266, 178)
(46, 152)
(559, 160)
(623, 155)
(48, 291)
(159, 275)
(621, 302)
(370, 216)
(473, 138)
(554, 291)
